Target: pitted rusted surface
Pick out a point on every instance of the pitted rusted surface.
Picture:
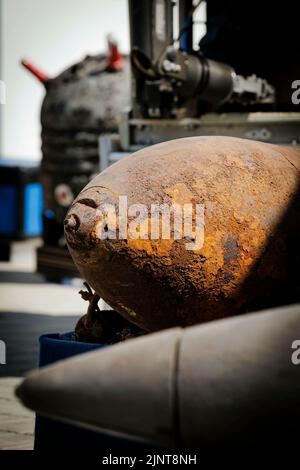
(250, 192)
(81, 103)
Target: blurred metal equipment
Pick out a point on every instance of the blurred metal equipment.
(224, 384)
(168, 72)
(80, 104)
(233, 85)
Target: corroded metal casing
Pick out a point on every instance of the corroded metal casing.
(250, 256)
(80, 104)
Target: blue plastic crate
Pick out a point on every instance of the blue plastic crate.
(21, 200)
(51, 434)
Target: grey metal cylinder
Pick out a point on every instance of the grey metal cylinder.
(236, 379)
(226, 382)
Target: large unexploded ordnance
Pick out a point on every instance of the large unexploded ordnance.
(81, 103)
(250, 256)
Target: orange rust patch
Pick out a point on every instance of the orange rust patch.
(156, 248)
(179, 193)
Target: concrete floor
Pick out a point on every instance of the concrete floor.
(28, 308)
(17, 423)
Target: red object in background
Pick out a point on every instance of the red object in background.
(43, 78)
(115, 58)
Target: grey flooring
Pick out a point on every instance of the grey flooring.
(28, 308)
(16, 422)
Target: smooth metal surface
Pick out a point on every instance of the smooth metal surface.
(127, 389)
(237, 383)
(226, 384)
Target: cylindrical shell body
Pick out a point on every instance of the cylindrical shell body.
(81, 103)
(249, 259)
(221, 385)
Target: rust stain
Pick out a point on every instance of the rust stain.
(179, 193)
(160, 248)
